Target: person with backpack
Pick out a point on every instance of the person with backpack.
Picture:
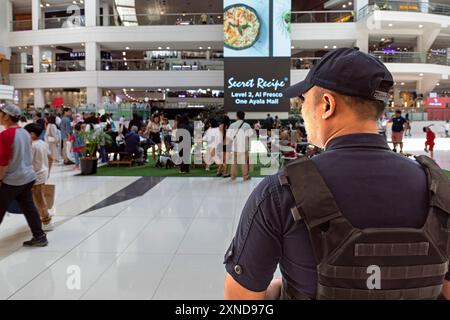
(334, 224)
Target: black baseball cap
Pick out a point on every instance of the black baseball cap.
(348, 71)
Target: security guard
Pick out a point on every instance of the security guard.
(356, 222)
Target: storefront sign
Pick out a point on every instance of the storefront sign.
(437, 102)
(257, 40)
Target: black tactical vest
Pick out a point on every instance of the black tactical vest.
(371, 264)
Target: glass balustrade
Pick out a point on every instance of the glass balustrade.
(159, 65)
(162, 19)
(323, 16)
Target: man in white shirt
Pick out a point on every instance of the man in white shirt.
(238, 136)
(42, 164)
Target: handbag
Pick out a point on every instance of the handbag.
(51, 139)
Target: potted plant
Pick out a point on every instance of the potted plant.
(93, 139)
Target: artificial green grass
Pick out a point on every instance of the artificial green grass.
(149, 170)
(447, 173)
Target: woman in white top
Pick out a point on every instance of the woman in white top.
(154, 130)
(213, 138)
(53, 138)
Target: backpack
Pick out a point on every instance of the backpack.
(371, 263)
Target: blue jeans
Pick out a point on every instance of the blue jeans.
(78, 156)
(102, 152)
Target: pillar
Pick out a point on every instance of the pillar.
(91, 10)
(106, 14)
(36, 59)
(92, 55)
(39, 100)
(362, 41)
(94, 96)
(36, 13)
(9, 15)
(358, 5)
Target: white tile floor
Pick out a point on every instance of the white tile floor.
(167, 244)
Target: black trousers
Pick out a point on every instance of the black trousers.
(24, 198)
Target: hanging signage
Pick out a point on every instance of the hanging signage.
(257, 41)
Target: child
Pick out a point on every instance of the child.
(77, 145)
(429, 143)
(42, 164)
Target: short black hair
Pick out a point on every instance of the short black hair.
(398, 111)
(51, 119)
(34, 128)
(66, 110)
(13, 119)
(240, 115)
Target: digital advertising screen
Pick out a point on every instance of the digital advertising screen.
(257, 41)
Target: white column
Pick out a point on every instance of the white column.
(22, 61)
(106, 14)
(208, 55)
(36, 59)
(362, 41)
(94, 96)
(39, 100)
(92, 55)
(36, 13)
(9, 14)
(91, 10)
(359, 4)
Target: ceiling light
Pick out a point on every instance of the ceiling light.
(390, 24)
(47, 5)
(334, 47)
(167, 89)
(159, 48)
(124, 53)
(127, 48)
(292, 47)
(20, 48)
(402, 83)
(201, 48)
(383, 39)
(132, 89)
(326, 47)
(168, 48)
(74, 2)
(209, 48)
(81, 1)
(421, 74)
(124, 59)
(162, 12)
(438, 84)
(344, 6)
(42, 5)
(350, 3)
(420, 26)
(82, 44)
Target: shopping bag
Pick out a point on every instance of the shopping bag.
(49, 194)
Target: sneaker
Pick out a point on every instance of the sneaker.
(40, 242)
(76, 168)
(395, 150)
(426, 150)
(48, 227)
(68, 163)
(226, 175)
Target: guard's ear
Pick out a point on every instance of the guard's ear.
(329, 106)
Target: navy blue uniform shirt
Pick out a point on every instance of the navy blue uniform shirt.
(373, 187)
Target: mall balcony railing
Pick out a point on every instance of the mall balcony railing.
(160, 19)
(158, 65)
(15, 68)
(64, 66)
(303, 63)
(405, 6)
(21, 25)
(411, 57)
(329, 16)
(62, 22)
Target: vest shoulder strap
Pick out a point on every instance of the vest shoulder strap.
(315, 203)
(438, 184)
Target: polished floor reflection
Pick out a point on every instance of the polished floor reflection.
(167, 243)
(164, 240)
